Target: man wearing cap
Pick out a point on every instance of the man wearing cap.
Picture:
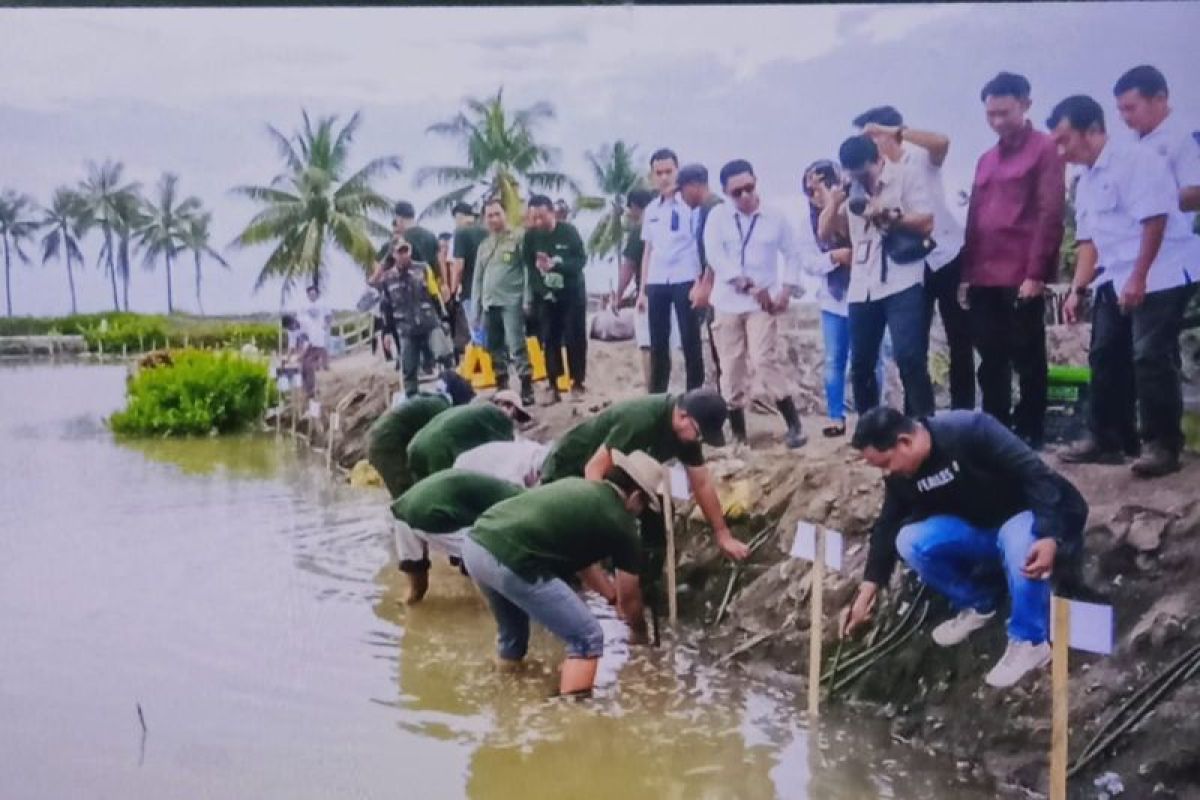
(521, 551)
(435, 513)
(503, 296)
(454, 432)
(664, 426)
(694, 191)
(410, 311)
(389, 436)
(670, 268)
(404, 225)
(756, 258)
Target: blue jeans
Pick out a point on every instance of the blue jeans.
(966, 563)
(835, 330)
(904, 315)
(550, 601)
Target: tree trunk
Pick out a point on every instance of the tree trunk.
(7, 278)
(170, 296)
(112, 268)
(199, 302)
(125, 272)
(71, 282)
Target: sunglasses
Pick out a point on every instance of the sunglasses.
(737, 193)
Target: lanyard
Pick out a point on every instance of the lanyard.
(745, 237)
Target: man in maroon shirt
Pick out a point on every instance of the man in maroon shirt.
(1014, 230)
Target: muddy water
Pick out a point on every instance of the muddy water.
(247, 607)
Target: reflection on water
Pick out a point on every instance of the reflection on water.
(249, 606)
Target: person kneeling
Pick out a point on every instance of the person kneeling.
(521, 551)
(969, 507)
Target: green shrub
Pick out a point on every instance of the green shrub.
(199, 393)
(140, 332)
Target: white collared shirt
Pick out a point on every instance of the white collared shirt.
(948, 232)
(1130, 183)
(1181, 148)
(763, 246)
(669, 227)
(899, 187)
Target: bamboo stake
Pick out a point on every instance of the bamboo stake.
(816, 624)
(669, 519)
(335, 423)
(1058, 690)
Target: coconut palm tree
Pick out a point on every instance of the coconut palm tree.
(166, 222)
(616, 176)
(503, 157)
(66, 220)
(196, 241)
(110, 204)
(16, 228)
(314, 204)
(128, 217)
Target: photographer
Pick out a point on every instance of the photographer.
(886, 214)
(923, 153)
(409, 309)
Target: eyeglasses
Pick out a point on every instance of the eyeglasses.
(737, 193)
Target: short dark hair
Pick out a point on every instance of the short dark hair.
(404, 209)
(540, 201)
(445, 237)
(1080, 111)
(880, 428)
(858, 151)
(662, 154)
(640, 198)
(1006, 84)
(1147, 80)
(494, 200)
(462, 208)
(880, 115)
(739, 166)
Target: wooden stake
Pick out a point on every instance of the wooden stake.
(1058, 689)
(668, 511)
(334, 424)
(816, 626)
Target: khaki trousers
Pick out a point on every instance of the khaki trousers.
(751, 357)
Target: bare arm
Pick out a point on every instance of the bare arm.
(832, 224)
(625, 275)
(1189, 198)
(599, 464)
(700, 480)
(630, 606)
(596, 579)
(936, 144)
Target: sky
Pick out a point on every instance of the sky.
(191, 91)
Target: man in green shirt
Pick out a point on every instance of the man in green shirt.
(631, 272)
(555, 256)
(468, 234)
(436, 513)
(389, 436)
(452, 433)
(520, 551)
(667, 428)
(424, 243)
(503, 296)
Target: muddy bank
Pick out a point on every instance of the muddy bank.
(1142, 555)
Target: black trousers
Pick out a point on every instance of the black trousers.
(660, 300)
(941, 289)
(1137, 369)
(1010, 335)
(564, 322)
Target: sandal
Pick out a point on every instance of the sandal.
(835, 429)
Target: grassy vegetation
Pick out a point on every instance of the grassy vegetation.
(141, 332)
(197, 393)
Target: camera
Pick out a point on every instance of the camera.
(856, 195)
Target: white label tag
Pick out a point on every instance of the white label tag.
(1092, 628)
(680, 488)
(805, 545)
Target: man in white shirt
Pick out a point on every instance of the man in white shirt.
(1127, 223)
(519, 462)
(924, 152)
(670, 268)
(1144, 103)
(743, 242)
(314, 326)
(883, 293)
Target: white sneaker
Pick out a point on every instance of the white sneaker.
(958, 628)
(1019, 658)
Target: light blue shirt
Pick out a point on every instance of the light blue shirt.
(669, 229)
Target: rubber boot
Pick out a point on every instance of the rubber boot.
(794, 437)
(527, 391)
(737, 422)
(502, 382)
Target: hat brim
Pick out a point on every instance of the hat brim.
(623, 462)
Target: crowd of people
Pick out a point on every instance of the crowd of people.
(969, 504)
